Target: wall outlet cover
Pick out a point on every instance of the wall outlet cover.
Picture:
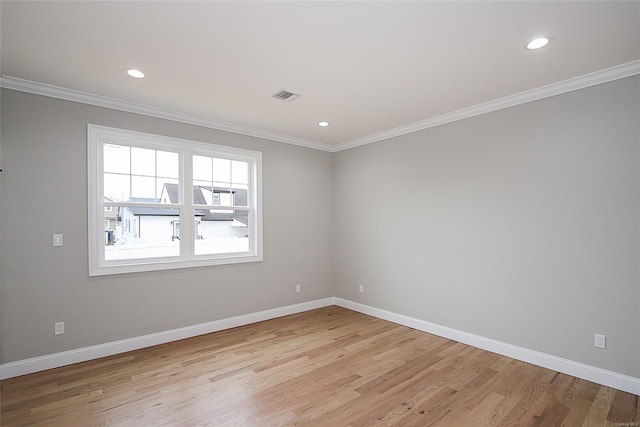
(600, 341)
(59, 328)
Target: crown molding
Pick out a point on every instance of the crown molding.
(58, 92)
(581, 82)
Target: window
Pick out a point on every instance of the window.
(171, 203)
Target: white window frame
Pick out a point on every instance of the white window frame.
(98, 266)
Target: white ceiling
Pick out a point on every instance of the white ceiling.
(366, 67)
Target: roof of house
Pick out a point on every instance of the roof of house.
(173, 193)
(198, 198)
(161, 210)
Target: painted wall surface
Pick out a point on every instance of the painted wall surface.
(521, 225)
(44, 191)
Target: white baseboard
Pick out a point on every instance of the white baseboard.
(42, 363)
(569, 367)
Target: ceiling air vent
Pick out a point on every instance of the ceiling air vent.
(285, 95)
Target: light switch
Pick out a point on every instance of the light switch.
(57, 240)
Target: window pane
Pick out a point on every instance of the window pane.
(226, 197)
(143, 187)
(222, 170)
(143, 161)
(110, 224)
(142, 233)
(168, 164)
(222, 193)
(168, 190)
(116, 158)
(202, 168)
(240, 172)
(229, 196)
(240, 197)
(219, 232)
(202, 194)
(117, 187)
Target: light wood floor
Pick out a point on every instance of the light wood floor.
(327, 367)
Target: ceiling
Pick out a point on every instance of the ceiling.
(365, 67)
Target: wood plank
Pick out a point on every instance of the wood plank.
(480, 410)
(325, 367)
(623, 408)
(495, 415)
(578, 413)
(597, 414)
(555, 416)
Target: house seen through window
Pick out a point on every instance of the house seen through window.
(167, 203)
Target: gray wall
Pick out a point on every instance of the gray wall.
(520, 225)
(44, 191)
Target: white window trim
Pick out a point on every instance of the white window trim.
(96, 135)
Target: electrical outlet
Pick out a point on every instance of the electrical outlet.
(59, 328)
(600, 341)
(298, 288)
(361, 288)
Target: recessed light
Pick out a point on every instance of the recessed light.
(323, 124)
(538, 43)
(135, 73)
